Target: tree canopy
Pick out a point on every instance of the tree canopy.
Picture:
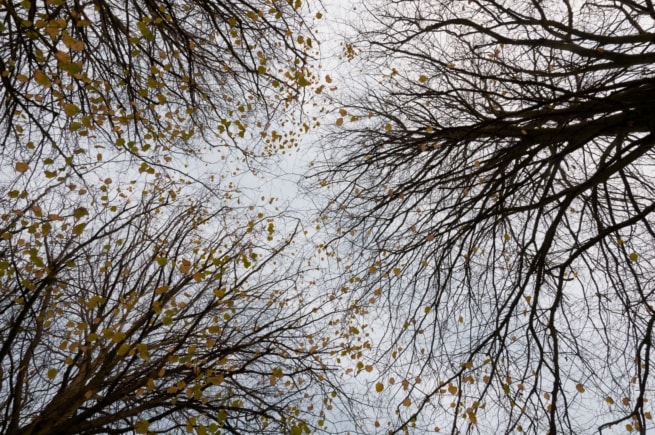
(141, 289)
(482, 262)
(150, 323)
(496, 188)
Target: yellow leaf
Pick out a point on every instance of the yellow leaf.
(388, 127)
(93, 302)
(379, 387)
(343, 112)
(141, 426)
(123, 349)
(423, 79)
(609, 400)
(41, 78)
(52, 30)
(78, 229)
(143, 28)
(71, 109)
(217, 380)
(62, 56)
(580, 388)
(52, 373)
(452, 388)
(72, 68)
(407, 402)
(185, 267)
(143, 351)
(72, 43)
(80, 212)
(339, 122)
(634, 256)
(21, 167)
(473, 418)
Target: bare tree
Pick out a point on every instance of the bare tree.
(496, 185)
(141, 290)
